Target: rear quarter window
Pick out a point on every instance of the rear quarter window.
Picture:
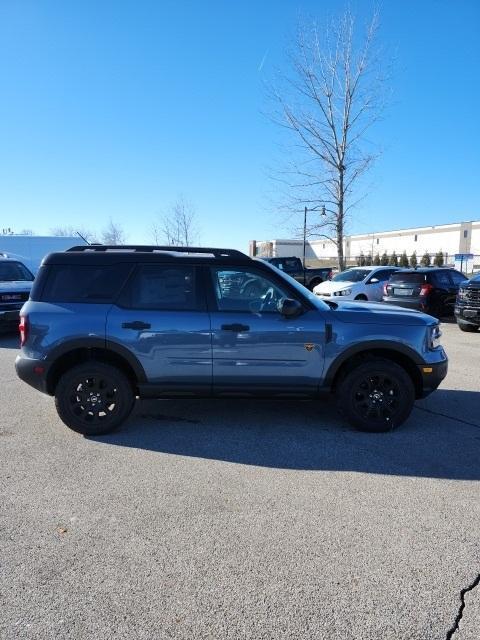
(84, 283)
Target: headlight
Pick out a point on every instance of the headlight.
(434, 335)
(343, 292)
(462, 294)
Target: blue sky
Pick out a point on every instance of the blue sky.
(113, 109)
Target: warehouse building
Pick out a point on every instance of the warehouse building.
(461, 238)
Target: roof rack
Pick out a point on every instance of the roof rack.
(217, 253)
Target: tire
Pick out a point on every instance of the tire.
(78, 387)
(314, 283)
(361, 298)
(466, 326)
(376, 396)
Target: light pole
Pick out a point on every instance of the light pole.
(304, 235)
(305, 230)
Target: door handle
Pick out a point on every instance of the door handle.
(235, 327)
(137, 325)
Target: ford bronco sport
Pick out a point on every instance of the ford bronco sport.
(105, 325)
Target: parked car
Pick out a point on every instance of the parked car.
(309, 276)
(15, 284)
(467, 305)
(105, 325)
(356, 283)
(429, 289)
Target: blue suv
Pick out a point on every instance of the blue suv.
(105, 325)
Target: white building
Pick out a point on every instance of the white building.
(450, 239)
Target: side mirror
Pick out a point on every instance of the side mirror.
(289, 307)
(373, 281)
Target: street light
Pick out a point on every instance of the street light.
(305, 229)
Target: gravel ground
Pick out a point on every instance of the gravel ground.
(242, 520)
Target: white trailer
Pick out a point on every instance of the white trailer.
(32, 249)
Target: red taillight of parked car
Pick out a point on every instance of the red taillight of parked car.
(385, 290)
(426, 289)
(23, 328)
(329, 275)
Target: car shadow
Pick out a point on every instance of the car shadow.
(310, 436)
(9, 340)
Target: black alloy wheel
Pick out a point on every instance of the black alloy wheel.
(93, 398)
(377, 395)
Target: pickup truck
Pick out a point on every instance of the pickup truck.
(309, 277)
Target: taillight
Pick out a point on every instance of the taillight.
(385, 291)
(329, 275)
(426, 289)
(23, 328)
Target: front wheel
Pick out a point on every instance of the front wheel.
(94, 398)
(376, 396)
(361, 298)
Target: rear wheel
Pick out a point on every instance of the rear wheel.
(314, 283)
(376, 396)
(94, 398)
(466, 326)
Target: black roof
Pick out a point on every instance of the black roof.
(112, 254)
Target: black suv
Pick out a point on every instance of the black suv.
(105, 325)
(467, 306)
(429, 289)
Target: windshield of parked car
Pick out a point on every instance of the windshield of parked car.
(351, 275)
(11, 271)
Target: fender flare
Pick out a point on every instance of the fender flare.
(370, 345)
(104, 345)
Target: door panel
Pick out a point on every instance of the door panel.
(256, 350)
(162, 319)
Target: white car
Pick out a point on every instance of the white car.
(357, 283)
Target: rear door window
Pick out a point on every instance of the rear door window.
(164, 288)
(85, 283)
(383, 274)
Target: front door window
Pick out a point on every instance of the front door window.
(246, 291)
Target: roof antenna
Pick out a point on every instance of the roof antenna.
(84, 239)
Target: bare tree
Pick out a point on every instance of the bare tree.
(332, 95)
(178, 227)
(71, 231)
(113, 234)
(27, 232)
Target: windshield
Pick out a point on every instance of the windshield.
(351, 275)
(13, 271)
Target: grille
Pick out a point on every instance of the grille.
(472, 297)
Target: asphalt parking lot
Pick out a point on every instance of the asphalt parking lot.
(234, 519)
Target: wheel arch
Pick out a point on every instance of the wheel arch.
(78, 351)
(400, 354)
